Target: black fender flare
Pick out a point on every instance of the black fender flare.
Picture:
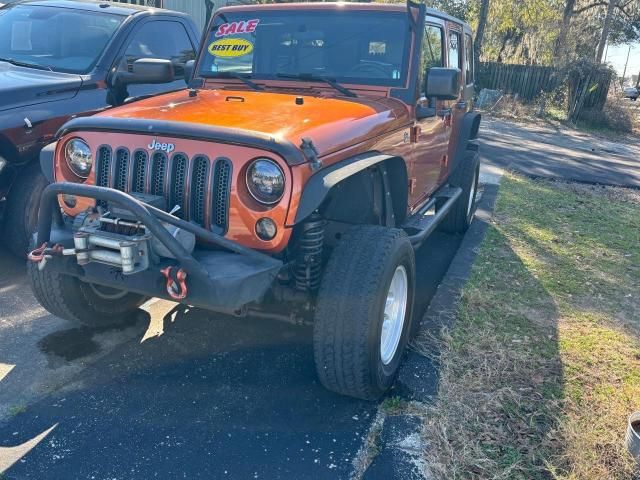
(47, 161)
(320, 184)
(466, 137)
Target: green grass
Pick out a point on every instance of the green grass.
(393, 405)
(542, 367)
(17, 410)
(555, 113)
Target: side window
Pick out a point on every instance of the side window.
(468, 58)
(432, 52)
(455, 53)
(160, 39)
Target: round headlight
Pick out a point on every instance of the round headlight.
(265, 181)
(79, 158)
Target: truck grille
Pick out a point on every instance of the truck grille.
(200, 187)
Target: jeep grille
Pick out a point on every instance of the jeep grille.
(199, 186)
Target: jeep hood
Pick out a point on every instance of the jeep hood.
(21, 86)
(332, 124)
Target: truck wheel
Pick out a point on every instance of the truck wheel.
(21, 212)
(466, 177)
(363, 311)
(88, 304)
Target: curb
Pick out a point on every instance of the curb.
(401, 451)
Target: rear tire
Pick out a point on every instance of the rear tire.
(21, 213)
(351, 355)
(69, 298)
(466, 177)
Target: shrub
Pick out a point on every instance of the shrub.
(613, 116)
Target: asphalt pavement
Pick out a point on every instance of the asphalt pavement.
(184, 393)
(549, 151)
(211, 396)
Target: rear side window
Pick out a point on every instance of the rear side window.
(468, 58)
(455, 52)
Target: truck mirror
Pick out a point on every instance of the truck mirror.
(148, 70)
(188, 71)
(443, 83)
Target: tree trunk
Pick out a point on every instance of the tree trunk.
(604, 36)
(561, 41)
(482, 23)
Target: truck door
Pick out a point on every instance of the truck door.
(431, 134)
(166, 39)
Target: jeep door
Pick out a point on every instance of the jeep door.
(431, 135)
(460, 56)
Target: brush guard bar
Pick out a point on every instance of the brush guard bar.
(214, 276)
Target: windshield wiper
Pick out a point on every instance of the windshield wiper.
(310, 77)
(19, 63)
(239, 76)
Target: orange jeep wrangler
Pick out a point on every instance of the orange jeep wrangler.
(316, 148)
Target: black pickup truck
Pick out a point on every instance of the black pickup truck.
(60, 59)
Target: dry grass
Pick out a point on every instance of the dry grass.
(512, 108)
(542, 367)
(618, 120)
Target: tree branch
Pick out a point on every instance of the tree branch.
(625, 13)
(588, 7)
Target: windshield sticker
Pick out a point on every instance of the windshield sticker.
(237, 27)
(230, 47)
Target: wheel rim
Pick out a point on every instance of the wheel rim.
(107, 293)
(394, 312)
(472, 193)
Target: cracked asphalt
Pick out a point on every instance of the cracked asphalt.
(184, 393)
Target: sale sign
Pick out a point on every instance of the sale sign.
(241, 26)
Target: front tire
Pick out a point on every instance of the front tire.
(358, 340)
(91, 305)
(21, 214)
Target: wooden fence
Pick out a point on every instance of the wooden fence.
(529, 81)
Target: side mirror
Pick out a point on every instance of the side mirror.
(188, 71)
(148, 70)
(443, 83)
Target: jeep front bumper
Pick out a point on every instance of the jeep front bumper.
(223, 277)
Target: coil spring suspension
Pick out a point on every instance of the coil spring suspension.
(309, 254)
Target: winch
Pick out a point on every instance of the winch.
(114, 237)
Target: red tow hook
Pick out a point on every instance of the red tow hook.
(37, 255)
(177, 289)
(40, 254)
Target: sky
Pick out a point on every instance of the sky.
(618, 55)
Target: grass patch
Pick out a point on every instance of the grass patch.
(17, 410)
(393, 405)
(542, 367)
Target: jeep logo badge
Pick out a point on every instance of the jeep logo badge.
(164, 147)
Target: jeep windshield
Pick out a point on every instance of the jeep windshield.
(345, 46)
(50, 38)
